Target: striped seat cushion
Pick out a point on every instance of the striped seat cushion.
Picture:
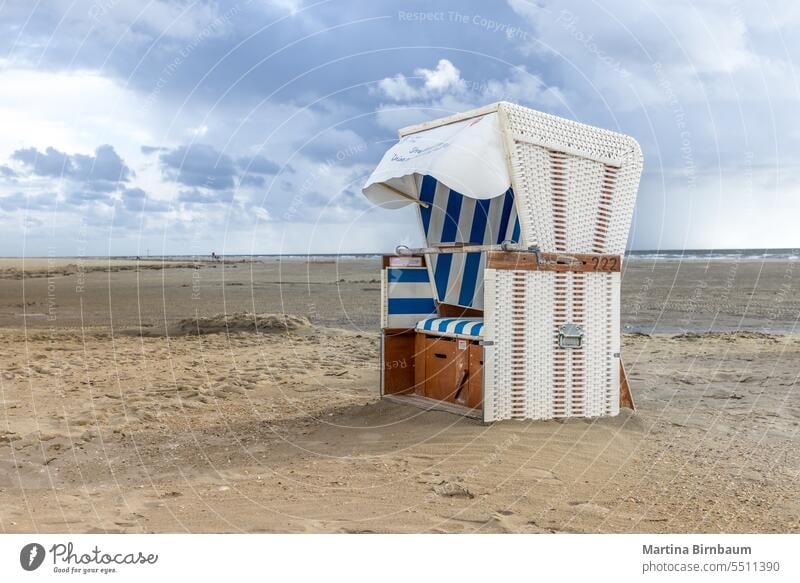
(471, 327)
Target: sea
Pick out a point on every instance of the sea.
(766, 254)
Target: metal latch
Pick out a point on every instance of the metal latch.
(570, 336)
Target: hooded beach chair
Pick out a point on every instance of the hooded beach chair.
(512, 310)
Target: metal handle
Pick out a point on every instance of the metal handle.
(463, 248)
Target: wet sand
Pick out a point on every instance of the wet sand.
(269, 424)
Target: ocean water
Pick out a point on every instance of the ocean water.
(715, 254)
(777, 254)
(767, 254)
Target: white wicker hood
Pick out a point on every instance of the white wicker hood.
(467, 156)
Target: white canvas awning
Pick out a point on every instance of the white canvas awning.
(467, 156)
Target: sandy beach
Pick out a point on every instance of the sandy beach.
(117, 416)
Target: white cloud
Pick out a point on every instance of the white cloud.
(160, 18)
(75, 112)
(418, 104)
(619, 46)
(445, 77)
(706, 87)
(199, 131)
(71, 111)
(290, 6)
(398, 88)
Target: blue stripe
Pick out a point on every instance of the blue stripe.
(450, 227)
(473, 260)
(442, 274)
(408, 276)
(441, 324)
(464, 327)
(449, 233)
(426, 194)
(411, 306)
(459, 329)
(479, 221)
(508, 203)
(515, 234)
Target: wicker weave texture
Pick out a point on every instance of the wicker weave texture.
(528, 375)
(575, 184)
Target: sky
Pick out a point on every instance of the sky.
(185, 127)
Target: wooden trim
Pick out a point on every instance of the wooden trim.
(398, 362)
(385, 261)
(404, 195)
(453, 311)
(420, 363)
(451, 119)
(625, 396)
(396, 331)
(580, 262)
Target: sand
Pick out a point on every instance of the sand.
(211, 397)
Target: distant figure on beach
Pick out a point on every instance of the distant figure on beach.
(214, 256)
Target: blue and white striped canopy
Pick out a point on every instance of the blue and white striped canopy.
(451, 217)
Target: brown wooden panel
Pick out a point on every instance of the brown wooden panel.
(446, 368)
(474, 396)
(396, 331)
(625, 396)
(398, 362)
(451, 311)
(385, 261)
(420, 370)
(581, 262)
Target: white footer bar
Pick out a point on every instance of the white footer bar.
(388, 558)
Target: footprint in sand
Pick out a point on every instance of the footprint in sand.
(8, 437)
(540, 475)
(589, 507)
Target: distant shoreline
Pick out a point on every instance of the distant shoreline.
(769, 254)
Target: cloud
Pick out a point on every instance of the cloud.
(106, 165)
(198, 132)
(22, 201)
(259, 165)
(51, 162)
(445, 77)
(102, 172)
(79, 197)
(692, 44)
(253, 180)
(138, 77)
(136, 200)
(200, 166)
(709, 89)
(196, 196)
(422, 103)
(398, 88)
(113, 19)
